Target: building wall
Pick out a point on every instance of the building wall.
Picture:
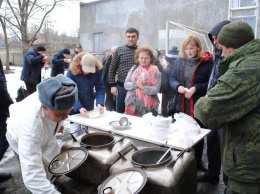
(113, 17)
(16, 54)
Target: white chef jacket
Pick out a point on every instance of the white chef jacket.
(31, 134)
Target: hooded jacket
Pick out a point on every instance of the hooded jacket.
(32, 66)
(217, 58)
(199, 79)
(31, 134)
(90, 86)
(234, 105)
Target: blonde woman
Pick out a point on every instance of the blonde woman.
(142, 83)
(189, 78)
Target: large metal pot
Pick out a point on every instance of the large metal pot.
(176, 175)
(103, 148)
(148, 157)
(97, 140)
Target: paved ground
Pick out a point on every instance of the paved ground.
(10, 163)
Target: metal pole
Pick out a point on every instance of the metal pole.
(167, 37)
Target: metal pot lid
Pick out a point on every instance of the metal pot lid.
(127, 181)
(68, 161)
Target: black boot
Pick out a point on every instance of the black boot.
(2, 188)
(207, 177)
(201, 166)
(4, 176)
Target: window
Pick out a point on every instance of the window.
(243, 3)
(98, 42)
(244, 10)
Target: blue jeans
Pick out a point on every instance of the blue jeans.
(3, 142)
(120, 99)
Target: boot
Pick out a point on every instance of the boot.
(207, 177)
(5, 176)
(2, 188)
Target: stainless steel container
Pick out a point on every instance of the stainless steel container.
(96, 168)
(174, 177)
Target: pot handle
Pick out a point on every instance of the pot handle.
(54, 178)
(171, 165)
(112, 145)
(83, 128)
(122, 154)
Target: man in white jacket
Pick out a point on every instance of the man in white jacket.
(32, 126)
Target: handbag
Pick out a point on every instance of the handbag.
(21, 94)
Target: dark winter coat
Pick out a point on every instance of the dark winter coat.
(58, 64)
(32, 66)
(90, 86)
(166, 90)
(106, 65)
(217, 58)
(199, 79)
(5, 99)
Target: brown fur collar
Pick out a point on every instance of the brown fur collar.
(75, 64)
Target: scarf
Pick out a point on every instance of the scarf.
(149, 75)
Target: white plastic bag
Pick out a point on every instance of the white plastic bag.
(186, 122)
(186, 127)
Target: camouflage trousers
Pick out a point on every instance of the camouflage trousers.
(236, 187)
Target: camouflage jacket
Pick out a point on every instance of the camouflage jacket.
(234, 105)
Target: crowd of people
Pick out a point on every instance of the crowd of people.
(221, 91)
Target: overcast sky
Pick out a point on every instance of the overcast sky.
(66, 18)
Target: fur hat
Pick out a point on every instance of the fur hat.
(236, 34)
(58, 93)
(40, 48)
(88, 63)
(66, 51)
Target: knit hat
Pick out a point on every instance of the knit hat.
(88, 63)
(78, 46)
(58, 93)
(66, 51)
(40, 48)
(236, 34)
(171, 56)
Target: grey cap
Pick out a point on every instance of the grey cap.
(58, 93)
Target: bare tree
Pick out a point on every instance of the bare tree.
(25, 12)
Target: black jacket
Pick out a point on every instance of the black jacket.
(58, 64)
(32, 66)
(5, 99)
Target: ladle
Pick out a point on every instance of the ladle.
(164, 155)
(123, 121)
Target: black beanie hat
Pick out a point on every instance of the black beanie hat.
(66, 51)
(236, 34)
(41, 48)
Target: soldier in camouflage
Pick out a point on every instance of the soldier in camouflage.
(234, 105)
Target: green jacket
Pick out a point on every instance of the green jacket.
(234, 105)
